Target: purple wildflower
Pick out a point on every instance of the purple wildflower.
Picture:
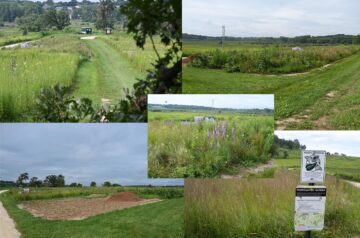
(209, 134)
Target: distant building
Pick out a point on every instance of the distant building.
(210, 119)
(46, 6)
(59, 8)
(199, 119)
(108, 30)
(297, 48)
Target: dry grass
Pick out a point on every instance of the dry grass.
(263, 207)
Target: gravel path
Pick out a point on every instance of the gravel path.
(7, 225)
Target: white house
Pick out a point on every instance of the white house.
(198, 119)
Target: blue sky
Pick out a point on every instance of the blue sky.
(347, 142)
(236, 101)
(271, 18)
(81, 152)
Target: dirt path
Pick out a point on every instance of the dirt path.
(325, 113)
(356, 184)
(252, 170)
(7, 225)
(106, 75)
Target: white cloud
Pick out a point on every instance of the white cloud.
(271, 18)
(347, 142)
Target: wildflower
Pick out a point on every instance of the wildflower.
(209, 134)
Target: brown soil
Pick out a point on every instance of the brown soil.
(123, 197)
(81, 208)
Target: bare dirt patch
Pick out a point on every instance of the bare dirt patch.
(331, 94)
(88, 38)
(81, 208)
(252, 170)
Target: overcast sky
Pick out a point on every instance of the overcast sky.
(81, 152)
(236, 101)
(347, 142)
(271, 18)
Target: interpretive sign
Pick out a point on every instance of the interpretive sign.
(313, 166)
(309, 208)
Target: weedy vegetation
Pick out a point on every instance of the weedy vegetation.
(178, 147)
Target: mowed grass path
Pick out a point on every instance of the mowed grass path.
(322, 99)
(105, 75)
(162, 219)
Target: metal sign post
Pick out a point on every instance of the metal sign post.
(310, 199)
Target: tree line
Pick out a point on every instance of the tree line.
(53, 181)
(288, 144)
(306, 39)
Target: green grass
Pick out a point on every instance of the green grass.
(344, 167)
(24, 72)
(162, 219)
(256, 207)
(294, 94)
(206, 149)
(106, 75)
(140, 59)
(11, 35)
(94, 69)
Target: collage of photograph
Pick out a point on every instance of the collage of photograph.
(179, 119)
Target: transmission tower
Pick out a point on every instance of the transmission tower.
(223, 36)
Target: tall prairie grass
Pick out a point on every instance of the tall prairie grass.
(207, 149)
(264, 208)
(272, 59)
(23, 72)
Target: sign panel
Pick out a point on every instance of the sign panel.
(309, 208)
(313, 166)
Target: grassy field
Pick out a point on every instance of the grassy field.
(162, 219)
(264, 208)
(11, 35)
(97, 69)
(25, 72)
(322, 99)
(206, 149)
(264, 59)
(344, 167)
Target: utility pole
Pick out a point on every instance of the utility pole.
(223, 36)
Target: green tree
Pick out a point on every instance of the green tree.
(105, 12)
(22, 178)
(58, 19)
(106, 184)
(35, 182)
(93, 184)
(31, 23)
(55, 181)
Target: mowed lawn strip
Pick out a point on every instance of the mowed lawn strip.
(293, 94)
(105, 75)
(162, 219)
